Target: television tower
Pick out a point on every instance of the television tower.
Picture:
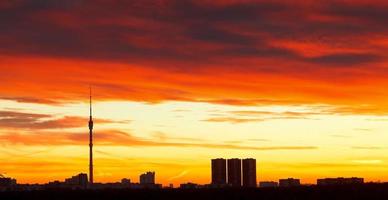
(90, 141)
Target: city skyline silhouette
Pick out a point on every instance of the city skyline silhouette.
(194, 94)
(233, 172)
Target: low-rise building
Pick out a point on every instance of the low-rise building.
(340, 181)
(189, 186)
(289, 182)
(268, 184)
(126, 181)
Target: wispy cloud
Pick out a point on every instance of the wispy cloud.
(351, 164)
(118, 138)
(232, 119)
(341, 136)
(31, 100)
(245, 116)
(363, 129)
(368, 147)
(21, 120)
(180, 175)
(368, 162)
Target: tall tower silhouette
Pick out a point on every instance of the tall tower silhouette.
(91, 141)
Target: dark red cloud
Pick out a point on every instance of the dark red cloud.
(186, 31)
(230, 52)
(20, 120)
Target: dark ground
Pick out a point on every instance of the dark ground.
(367, 192)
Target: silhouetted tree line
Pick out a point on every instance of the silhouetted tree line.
(351, 192)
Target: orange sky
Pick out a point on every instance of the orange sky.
(302, 78)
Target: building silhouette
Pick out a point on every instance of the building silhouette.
(340, 181)
(78, 181)
(126, 181)
(6, 182)
(189, 186)
(290, 182)
(218, 171)
(147, 178)
(267, 184)
(249, 172)
(234, 172)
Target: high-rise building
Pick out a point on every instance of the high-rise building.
(147, 178)
(249, 172)
(234, 172)
(218, 171)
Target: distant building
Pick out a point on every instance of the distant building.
(55, 185)
(268, 184)
(249, 172)
(188, 186)
(7, 183)
(126, 181)
(147, 178)
(234, 172)
(218, 171)
(340, 181)
(80, 180)
(31, 187)
(290, 182)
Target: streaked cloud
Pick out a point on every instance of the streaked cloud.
(20, 120)
(180, 175)
(232, 120)
(367, 147)
(341, 136)
(118, 138)
(246, 116)
(334, 55)
(368, 162)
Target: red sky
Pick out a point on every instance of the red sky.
(229, 52)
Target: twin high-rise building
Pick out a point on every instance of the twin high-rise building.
(249, 172)
(219, 171)
(234, 172)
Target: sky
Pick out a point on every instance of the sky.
(301, 86)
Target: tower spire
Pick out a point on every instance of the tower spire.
(90, 101)
(90, 140)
